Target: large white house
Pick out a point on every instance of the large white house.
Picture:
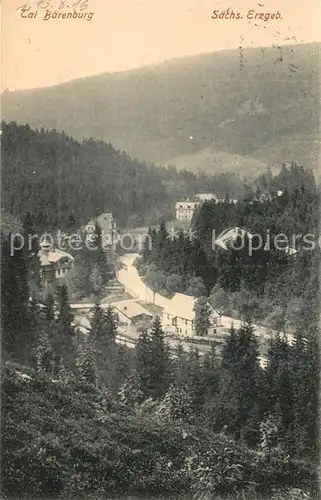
(179, 316)
(185, 209)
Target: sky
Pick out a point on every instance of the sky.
(126, 34)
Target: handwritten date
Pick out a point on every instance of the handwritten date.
(54, 4)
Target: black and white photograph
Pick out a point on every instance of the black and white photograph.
(160, 250)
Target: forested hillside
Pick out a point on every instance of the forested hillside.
(232, 110)
(52, 176)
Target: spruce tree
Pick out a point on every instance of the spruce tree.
(124, 364)
(210, 374)
(305, 369)
(241, 382)
(111, 325)
(87, 365)
(98, 323)
(103, 333)
(147, 247)
(160, 360)
(45, 355)
(100, 256)
(143, 363)
(279, 383)
(180, 366)
(14, 300)
(64, 333)
(31, 251)
(202, 316)
(194, 378)
(49, 307)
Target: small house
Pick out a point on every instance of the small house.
(129, 312)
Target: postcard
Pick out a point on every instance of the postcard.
(160, 249)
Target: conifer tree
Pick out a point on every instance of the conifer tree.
(98, 323)
(103, 332)
(147, 247)
(160, 361)
(100, 256)
(210, 374)
(14, 299)
(45, 355)
(280, 385)
(64, 314)
(194, 378)
(87, 365)
(241, 381)
(64, 332)
(180, 366)
(162, 246)
(37, 322)
(31, 251)
(305, 369)
(202, 316)
(124, 364)
(143, 363)
(111, 325)
(49, 307)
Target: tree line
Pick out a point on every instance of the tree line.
(64, 183)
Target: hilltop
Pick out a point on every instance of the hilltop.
(203, 111)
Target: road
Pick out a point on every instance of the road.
(129, 277)
(134, 285)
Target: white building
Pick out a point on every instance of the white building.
(107, 224)
(185, 209)
(129, 312)
(179, 316)
(206, 196)
(55, 264)
(229, 236)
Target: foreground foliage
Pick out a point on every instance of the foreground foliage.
(64, 441)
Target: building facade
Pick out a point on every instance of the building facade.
(130, 312)
(55, 264)
(179, 316)
(184, 210)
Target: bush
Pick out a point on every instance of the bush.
(60, 441)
